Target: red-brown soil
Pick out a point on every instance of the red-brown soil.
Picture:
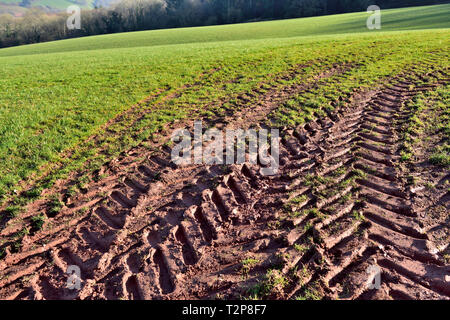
(149, 229)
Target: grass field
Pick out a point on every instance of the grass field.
(57, 94)
(415, 18)
(84, 132)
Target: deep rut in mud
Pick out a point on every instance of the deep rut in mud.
(338, 206)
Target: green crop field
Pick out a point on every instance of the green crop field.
(55, 95)
(414, 18)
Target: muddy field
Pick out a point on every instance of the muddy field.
(342, 205)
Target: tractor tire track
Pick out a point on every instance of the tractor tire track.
(161, 226)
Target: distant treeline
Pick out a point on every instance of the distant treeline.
(134, 15)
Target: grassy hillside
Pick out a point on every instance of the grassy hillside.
(413, 18)
(55, 95)
(16, 7)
